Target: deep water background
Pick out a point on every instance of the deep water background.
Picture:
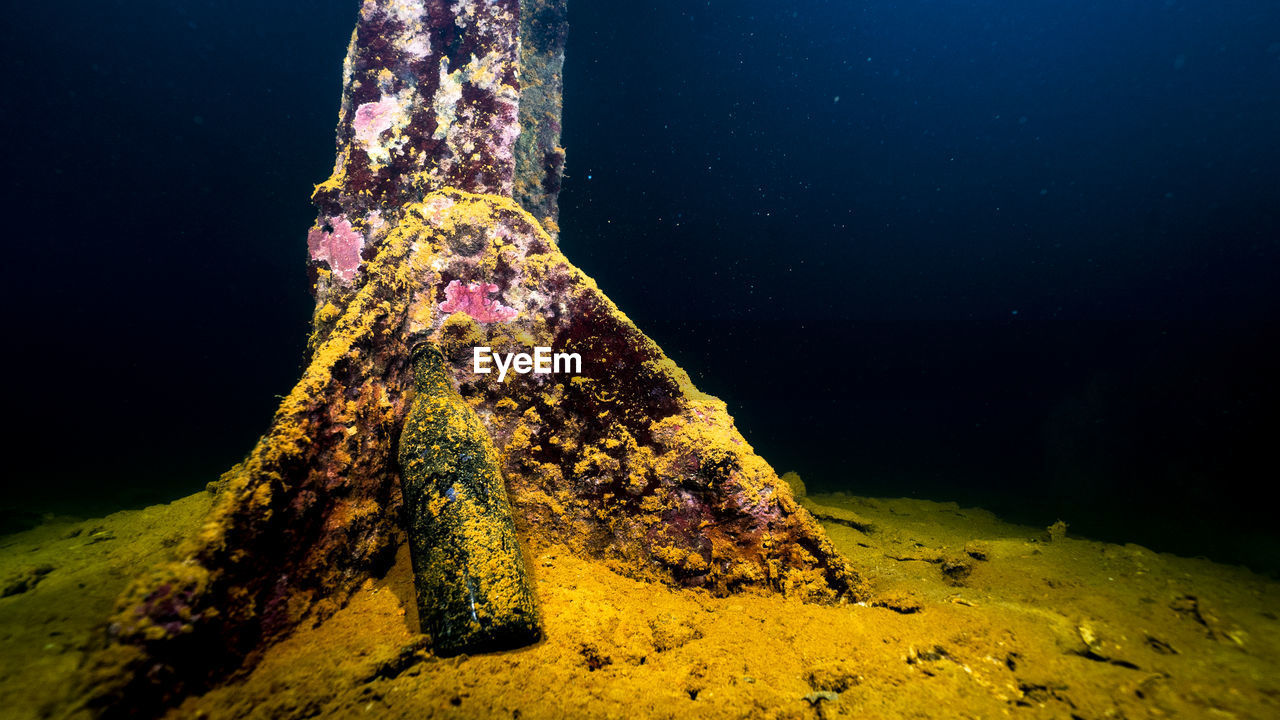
(1016, 255)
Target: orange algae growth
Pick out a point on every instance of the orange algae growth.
(1037, 631)
(620, 461)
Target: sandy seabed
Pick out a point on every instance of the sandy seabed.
(972, 618)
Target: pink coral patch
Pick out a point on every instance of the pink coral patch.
(471, 300)
(373, 118)
(339, 246)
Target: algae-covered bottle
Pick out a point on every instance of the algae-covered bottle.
(470, 576)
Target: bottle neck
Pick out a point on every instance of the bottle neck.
(429, 375)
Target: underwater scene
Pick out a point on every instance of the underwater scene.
(513, 359)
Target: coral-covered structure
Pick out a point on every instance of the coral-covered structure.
(435, 224)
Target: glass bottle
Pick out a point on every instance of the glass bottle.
(473, 588)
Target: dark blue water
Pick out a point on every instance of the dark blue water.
(1023, 255)
(1020, 255)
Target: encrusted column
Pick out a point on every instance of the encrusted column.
(435, 224)
(438, 94)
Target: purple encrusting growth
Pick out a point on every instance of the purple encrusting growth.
(169, 609)
(374, 118)
(430, 100)
(471, 299)
(337, 245)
